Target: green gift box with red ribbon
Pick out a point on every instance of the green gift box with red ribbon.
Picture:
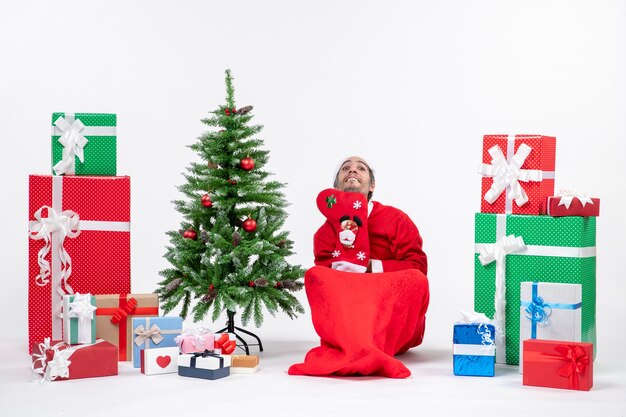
(114, 316)
(84, 144)
(511, 249)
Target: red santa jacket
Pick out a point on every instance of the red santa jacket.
(394, 240)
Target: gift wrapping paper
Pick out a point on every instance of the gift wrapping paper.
(84, 144)
(195, 340)
(79, 318)
(474, 349)
(516, 180)
(550, 311)
(560, 250)
(114, 318)
(154, 332)
(559, 206)
(225, 343)
(79, 230)
(56, 360)
(206, 365)
(558, 364)
(159, 361)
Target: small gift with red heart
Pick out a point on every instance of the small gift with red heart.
(196, 339)
(346, 212)
(558, 364)
(572, 203)
(159, 361)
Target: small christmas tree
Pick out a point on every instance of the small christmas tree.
(230, 253)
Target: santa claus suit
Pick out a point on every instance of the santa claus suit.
(395, 243)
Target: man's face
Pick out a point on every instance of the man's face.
(354, 176)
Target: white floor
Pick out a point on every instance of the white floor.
(431, 390)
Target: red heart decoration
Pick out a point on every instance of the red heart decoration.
(163, 361)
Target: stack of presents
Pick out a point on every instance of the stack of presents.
(82, 316)
(534, 271)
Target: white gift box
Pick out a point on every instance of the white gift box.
(159, 360)
(550, 311)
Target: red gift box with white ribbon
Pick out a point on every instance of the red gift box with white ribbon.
(571, 203)
(518, 173)
(79, 242)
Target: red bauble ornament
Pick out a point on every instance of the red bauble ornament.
(251, 284)
(247, 164)
(233, 182)
(206, 201)
(227, 112)
(211, 287)
(190, 234)
(249, 225)
(278, 284)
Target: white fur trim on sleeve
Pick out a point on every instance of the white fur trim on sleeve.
(348, 267)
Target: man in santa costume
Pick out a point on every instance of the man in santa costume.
(364, 319)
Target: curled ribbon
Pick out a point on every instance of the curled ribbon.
(82, 308)
(538, 311)
(73, 143)
(508, 174)
(123, 312)
(65, 224)
(143, 334)
(497, 253)
(58, 367)
(567, 196)
(485, 334)
(195, 339)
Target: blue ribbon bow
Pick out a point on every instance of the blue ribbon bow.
(538, 311)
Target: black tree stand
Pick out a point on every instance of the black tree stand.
(230, 328)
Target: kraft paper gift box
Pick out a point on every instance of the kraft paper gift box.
(84, 144)
(56, 360)
(195, 340)
(511, 249)
(154, 332)
(572, 205)
(79, 243)
(159, 361)
(206, 365)
(558, 364)
(114, 318)
(474, 349)
(518, 173)
(79, 319)
(243, 364)
(550, 311)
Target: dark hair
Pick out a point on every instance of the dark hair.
(372, 179)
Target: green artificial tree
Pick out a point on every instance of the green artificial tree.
(230, 254)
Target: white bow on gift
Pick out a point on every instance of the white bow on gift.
(497, 252)
(567, 196)
(65, 224)
(82, 308)
(143, 334)
(58, 367)
(73, 143)
(508, 174)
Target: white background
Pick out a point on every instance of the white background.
(410, 86)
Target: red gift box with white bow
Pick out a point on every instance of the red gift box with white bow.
(571, 204)
(518, 173)
(79, 229)
(558, 364)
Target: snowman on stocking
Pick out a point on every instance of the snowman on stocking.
(347, 214)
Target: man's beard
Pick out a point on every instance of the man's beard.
(355, 189)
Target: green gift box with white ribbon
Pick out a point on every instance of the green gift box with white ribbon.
(79, 318)
(511, 249)
(84, 144)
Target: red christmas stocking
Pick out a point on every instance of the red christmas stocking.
(347, 213)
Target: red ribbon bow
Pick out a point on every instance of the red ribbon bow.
(228, 346)
(123, 312)
(576, 360)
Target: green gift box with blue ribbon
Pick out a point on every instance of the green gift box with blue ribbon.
(510, 249)
(84, 144)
